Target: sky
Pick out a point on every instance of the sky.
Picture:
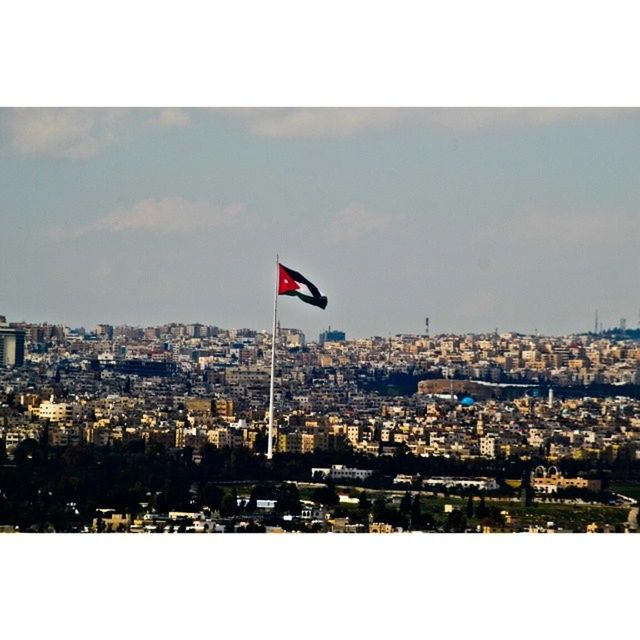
(515, 219)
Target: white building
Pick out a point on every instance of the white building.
(481, 484)
(341, 472)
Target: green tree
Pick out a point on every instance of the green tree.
(210, 495)
(288, 499)
(380, 513)
(470, 507)
(416, 513)
(456, 521)
(482, 511)
(229, 504)
(326, 496)
(405, 503)
(28, 452)
(364, 504)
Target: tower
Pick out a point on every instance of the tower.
(426, 326)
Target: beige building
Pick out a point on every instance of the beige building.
(550, 480)
(225, 408)
(381, 527)
(52, 411)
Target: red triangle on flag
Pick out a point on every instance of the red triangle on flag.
(285, 282)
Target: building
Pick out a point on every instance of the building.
(104, 331)
(344, 525)
(225, 408)
(550, 480)
(332, 336)
(341, 472)
(11, 345)
(481, 484)
(381, 527)
(54, 412)
(294, 338)
(489, 445)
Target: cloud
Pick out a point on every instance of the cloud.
(318, 122)
(355, 222)
(64, 133)
(347, 122)
(80, 133)
(478, 120)
(167, 215)
(174, 117)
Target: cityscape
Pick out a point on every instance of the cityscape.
(450, 344)
(165, 429)
(251, 315)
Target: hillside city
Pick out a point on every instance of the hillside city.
(159, 429)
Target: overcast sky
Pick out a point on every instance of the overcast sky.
(478, 218)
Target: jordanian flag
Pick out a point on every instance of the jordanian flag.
(292, 283)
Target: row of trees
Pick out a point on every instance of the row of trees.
(64, 486)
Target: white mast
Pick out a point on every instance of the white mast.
(273, 362)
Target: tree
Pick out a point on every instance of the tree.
(259, 492)
(416, 512)
(456, 521)
(470, 507)
(482, 511)
(229, 504)
(28, 451)
(495, 517)
(405, 503)
(364, 504)
(288, 499)
(326, 496)
(100, 525)
(380, 512)
(210, 495)
(260, 443)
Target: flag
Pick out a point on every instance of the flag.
(292, 283)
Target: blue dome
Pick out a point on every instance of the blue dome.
(467, 401)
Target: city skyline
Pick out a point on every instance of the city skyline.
(96, 329)
(519, 219)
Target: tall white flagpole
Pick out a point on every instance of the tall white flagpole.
(274, 338)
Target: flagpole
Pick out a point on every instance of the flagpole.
(273, 363)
